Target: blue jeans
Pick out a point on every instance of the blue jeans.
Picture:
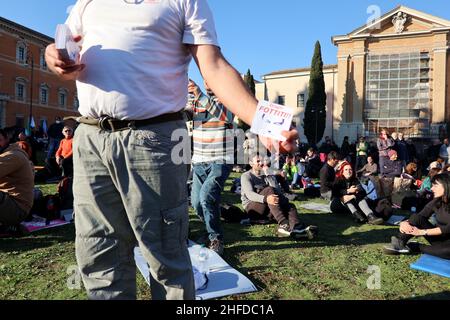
(208, 183)
(53, 146)
(295, 180)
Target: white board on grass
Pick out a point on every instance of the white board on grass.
(223, 279)
(317, 207)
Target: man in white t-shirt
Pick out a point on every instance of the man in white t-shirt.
(132, 84)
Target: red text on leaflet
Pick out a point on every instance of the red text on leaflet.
(277, 113)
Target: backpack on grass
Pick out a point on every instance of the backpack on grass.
(231, 213)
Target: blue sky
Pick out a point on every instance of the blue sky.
(262, 35)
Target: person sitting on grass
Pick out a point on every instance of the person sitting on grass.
(423, 195)
(392, 167)
(411, 174)
(419, 225)
(327, 175)
(64, 154)
(274, 176)
(290, 172)
(16, 183)
(260, 200)
(276, 180)
(313, 164)
(301, 168)
(349, 196)
(370, 168)
(24, 144)
(425, 191)
(426, 184)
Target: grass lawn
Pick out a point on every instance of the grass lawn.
(332, 267)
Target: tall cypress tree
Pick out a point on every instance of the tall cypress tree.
(250, 82)
(315, 113)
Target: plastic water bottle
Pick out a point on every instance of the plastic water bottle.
(203, 256)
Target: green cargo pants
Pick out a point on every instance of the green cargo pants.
(128, 191)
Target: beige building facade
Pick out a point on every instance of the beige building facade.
(393, 73)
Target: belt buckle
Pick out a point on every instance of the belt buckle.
(104, 123)
(132, 125)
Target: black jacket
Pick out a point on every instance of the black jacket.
(341, 185)
(392, 169)
(442, 212)
(327, 176)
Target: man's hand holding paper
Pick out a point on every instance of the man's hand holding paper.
(272, 123)
(62, 58)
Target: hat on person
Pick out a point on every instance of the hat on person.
(391, 153)
(434, 165)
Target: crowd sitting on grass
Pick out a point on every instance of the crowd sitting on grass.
(355, 185)
(129, 188)
(395, 182)
(371, 193)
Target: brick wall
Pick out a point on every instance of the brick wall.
(10, 70)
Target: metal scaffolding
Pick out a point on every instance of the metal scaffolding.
(398, 94)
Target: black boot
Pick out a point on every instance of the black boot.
(374, 220)
(397, 246)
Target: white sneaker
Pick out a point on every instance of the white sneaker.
(283, 231)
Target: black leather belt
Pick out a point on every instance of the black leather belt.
(114, 125)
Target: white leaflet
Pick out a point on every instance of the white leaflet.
(65, 44)
(271, 119)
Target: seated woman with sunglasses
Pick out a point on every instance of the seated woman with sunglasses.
(349, 196)
(419, 225)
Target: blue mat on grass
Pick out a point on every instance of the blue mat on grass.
(434, 265)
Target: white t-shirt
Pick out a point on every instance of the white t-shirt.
(135, 54)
